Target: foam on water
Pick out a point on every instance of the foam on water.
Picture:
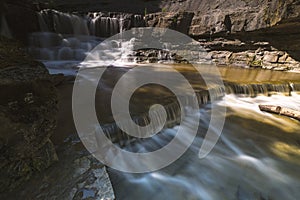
(236, 169)
(246, 163)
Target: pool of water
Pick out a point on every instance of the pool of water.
(257, 157)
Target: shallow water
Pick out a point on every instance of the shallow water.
(257, 157)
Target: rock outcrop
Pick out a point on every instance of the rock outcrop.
(21, 18)
(179, 21)
(255, 33)
(226, 16)
(251, 54)
(213, 17)
(27, 116)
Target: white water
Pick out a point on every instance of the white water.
(257, 156)
(66, 39)
(251, 161)
(71, 52)
(64, 52)
(96, 24)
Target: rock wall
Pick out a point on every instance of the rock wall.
(27, 116)
(275, 22)
(21, 18)
(230, 16)
(179, 21)
(250, 54)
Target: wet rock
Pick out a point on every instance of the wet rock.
(269, 24)
(271, 57)
(27, 116)
(82, 166)
(283, 58)
(77, 175)
(261, 57)
(154, 56)
(21, 17)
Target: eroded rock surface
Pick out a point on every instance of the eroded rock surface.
(250, 55)
(179, 21)
(272, 25)
(215, 17)
(27, 116)
(77, 175)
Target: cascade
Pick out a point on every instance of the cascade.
(173, 110)
(97, 24)
(71, 37)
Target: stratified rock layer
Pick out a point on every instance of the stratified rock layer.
(268, 31)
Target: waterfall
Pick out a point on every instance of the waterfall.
(63, 23)
(69, 37)
(173, 110)
(42, 23)
(267, 89)
(97, 24)
(105, 26)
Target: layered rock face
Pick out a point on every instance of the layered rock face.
(224, 16)
(243, 33)
(27, 116)
(252, 54)
(179, 21)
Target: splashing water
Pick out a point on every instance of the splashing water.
(247, 162)
(258, 154)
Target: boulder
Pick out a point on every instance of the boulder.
(27, 116)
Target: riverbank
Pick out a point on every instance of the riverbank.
(36, 123)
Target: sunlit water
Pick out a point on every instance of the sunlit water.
(257, 157)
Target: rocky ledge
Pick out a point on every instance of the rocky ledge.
(27, 116)
(249, 55)
(262, 34)
(230, 16)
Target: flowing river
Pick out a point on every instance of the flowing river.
(256, 157)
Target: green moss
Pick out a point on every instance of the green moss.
(255, 63)
(164, 10)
